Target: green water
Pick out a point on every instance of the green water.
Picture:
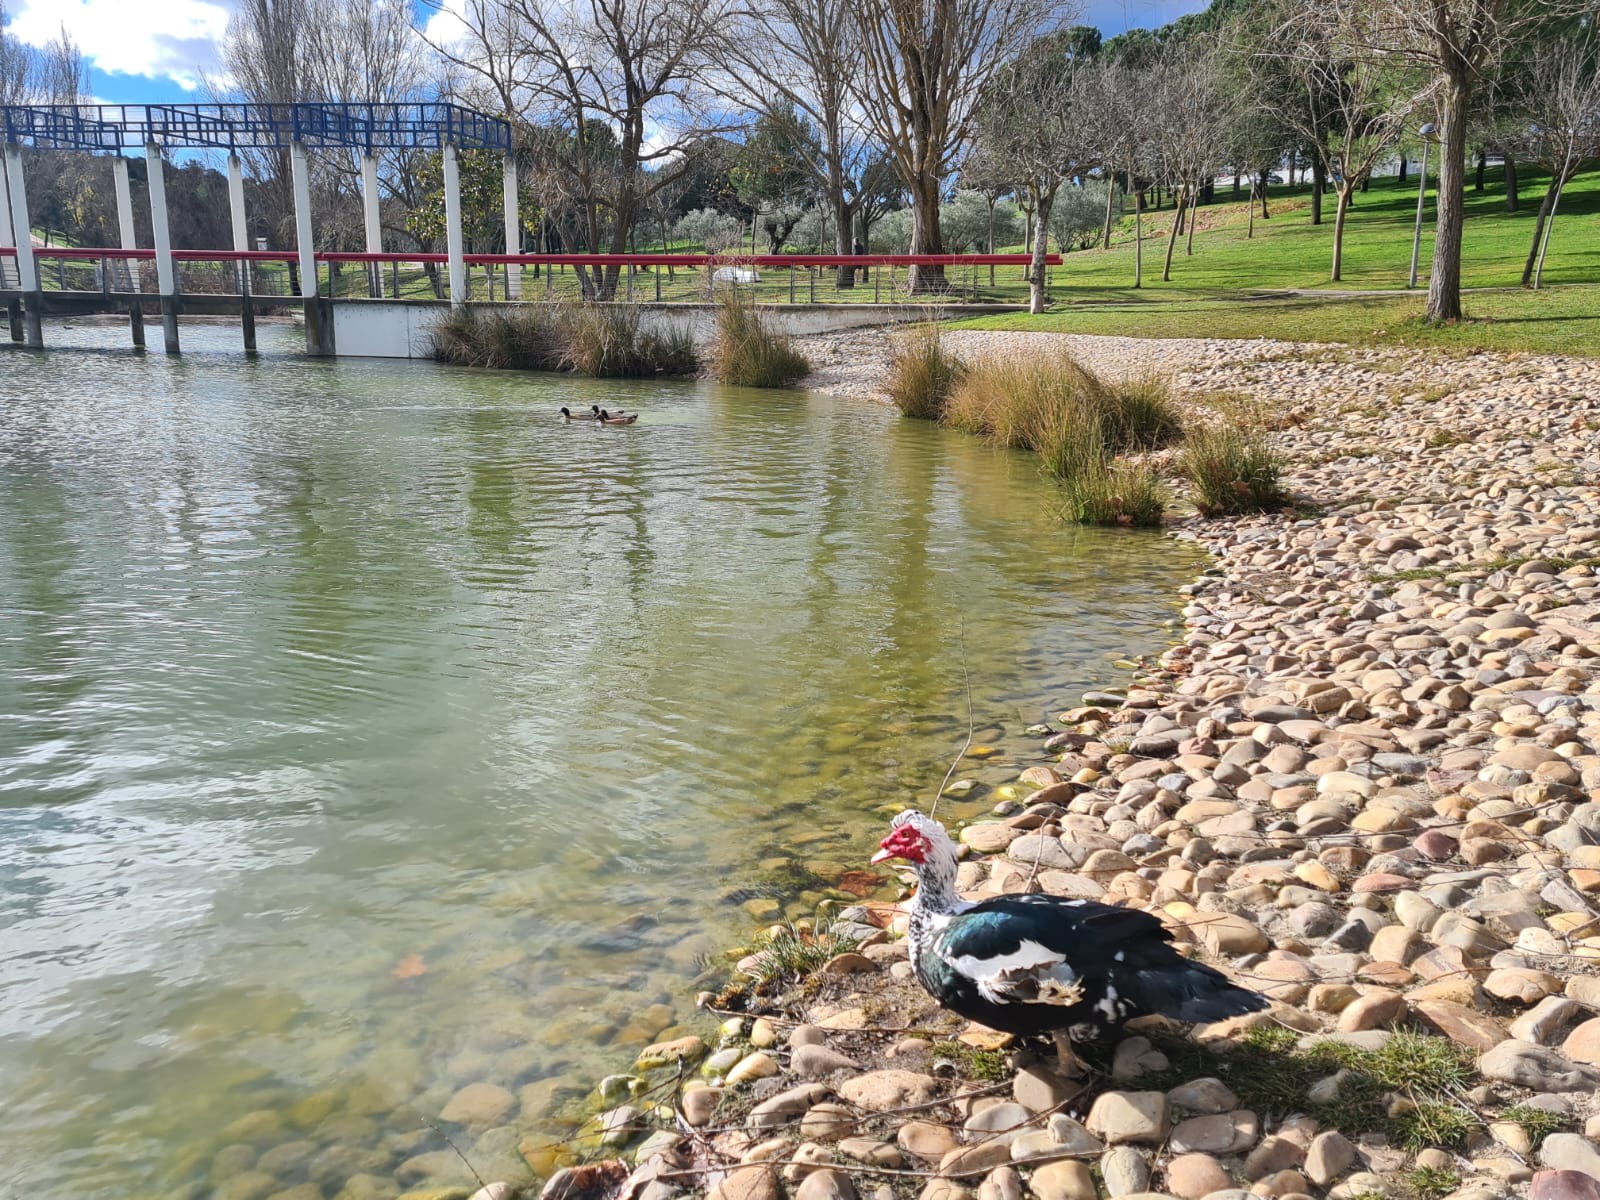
(366, 732)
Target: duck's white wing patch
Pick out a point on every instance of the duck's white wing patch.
(1030, 974)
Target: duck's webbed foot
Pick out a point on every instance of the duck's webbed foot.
(1068, 1064)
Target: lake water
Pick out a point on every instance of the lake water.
(366, 731)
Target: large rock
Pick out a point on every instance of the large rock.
(880, 1091)
(1570, 1152)
(1462, 1025)
(755, 1182)
(817, 1061)
(479, 1106)
(1119, 1117)
(1192, 1176)
(1563, 1185)
(1066, 1180)
(826, 1185)
(1329, 1157)
(1538, 1068)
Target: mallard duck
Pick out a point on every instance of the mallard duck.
(617, 418)
(588, 416)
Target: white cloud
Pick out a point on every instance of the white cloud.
(163, 39)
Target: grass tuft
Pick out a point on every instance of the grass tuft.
(1537, 1123)
(605, 341)
(1232, 469)
(922, 373)
(744, 351)
(973, 1063)
(1430, 1183)
(790, 952)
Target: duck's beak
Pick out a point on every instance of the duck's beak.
(884, 854)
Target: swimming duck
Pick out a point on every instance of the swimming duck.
(617, 418)
(588, 416)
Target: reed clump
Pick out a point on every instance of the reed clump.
(923, 373)
(601, 340)
(1087, 431)
(605, 341)
(1232, 468)
(744, 351)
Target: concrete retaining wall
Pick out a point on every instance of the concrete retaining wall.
(399, 328)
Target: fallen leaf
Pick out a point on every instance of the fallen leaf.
(410, 967)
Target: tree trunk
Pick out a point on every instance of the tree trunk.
(1194, 201)
(843, 223)
(1512, 200)
(1236, 178)
(1180, 212)
(1172, 238)
(1483, 162)
(1037, 280)
(1111, 190)
(1444, 289)
(1345, 189)
(1549, 227)
(1138, 242)
(1401, 178)
(1545, 208)
(1266, 178)
(1319, 180)
(1250, 224)
(925, 235)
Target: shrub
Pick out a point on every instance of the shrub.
(603, 340)
(1102, 490)
(922, 373)
(529, 338)
(1232, 469)
(1076, 423)
(1140, 414)
(745, 352)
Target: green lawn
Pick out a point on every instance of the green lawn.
(1233, 286)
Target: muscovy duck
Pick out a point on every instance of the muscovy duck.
(1041, 964)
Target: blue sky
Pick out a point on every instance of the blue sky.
(148, 51)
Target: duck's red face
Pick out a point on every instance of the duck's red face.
(904, 842)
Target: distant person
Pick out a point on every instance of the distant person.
(860, 249)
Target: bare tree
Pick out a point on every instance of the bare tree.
(1561, 97)
(63, 73)
(1189, 132)
(924, 63)
(19, 68)
(1456, 42)
(614, 93)
(1344, 105)
(800, 54)
(1028, 119)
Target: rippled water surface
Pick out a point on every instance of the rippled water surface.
(366, 732)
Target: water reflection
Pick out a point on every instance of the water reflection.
(366, 732)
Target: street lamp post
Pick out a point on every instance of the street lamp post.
(1422, 191)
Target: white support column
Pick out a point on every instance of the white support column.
(124, 191)
(7, 237)
(369, 202)
(301, 171)
(166, 275)
(513, 227)
(241, 225)
(21, 224)
(241, 243)
(452, 227)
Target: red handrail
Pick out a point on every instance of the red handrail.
(83, 253)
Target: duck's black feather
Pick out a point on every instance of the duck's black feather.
(994, 961)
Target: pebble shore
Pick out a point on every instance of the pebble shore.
(1366, 783)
